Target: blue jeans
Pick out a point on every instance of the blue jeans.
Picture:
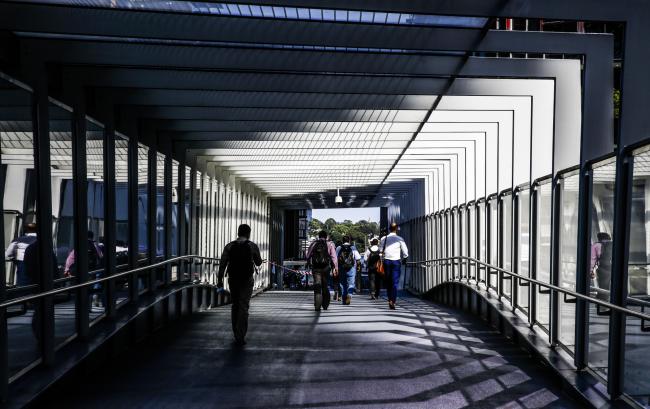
(347, 282)
(393, 270)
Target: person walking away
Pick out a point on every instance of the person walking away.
(239, 259)
(336, 279)
(373, 257)
(601, 263)
(349, 261)
(32, 269)
(394, 253)
(16, 253)
(95, 256)
(322, 258)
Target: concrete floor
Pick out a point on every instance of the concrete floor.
(358, 356)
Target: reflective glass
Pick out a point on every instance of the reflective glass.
(600, 267)
(506, 249)
(122, 245)
(160, 204)
(143, 202)
(95, 195)
(18, 175)
(62, 188)
(544, 194)
(482, 250)
(493, 228)
(175, 212)
(568, 236)
(523, 238)
(637, 333)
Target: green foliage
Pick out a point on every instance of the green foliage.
(358, 231)
(617, 103)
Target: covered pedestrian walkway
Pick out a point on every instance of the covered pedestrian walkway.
(509, 139)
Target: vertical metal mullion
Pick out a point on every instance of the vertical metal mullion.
(514, 248)
(622, 218)
(583, 262)
(554, 313)
(500, 240)
(80, 211)
(152, 207)
(44, 219)
(182, 245)
(532, 291)
(167, 221)
(134, 221)
(109, 215)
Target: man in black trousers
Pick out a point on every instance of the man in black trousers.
(240, 257)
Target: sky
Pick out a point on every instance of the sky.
(354, 214)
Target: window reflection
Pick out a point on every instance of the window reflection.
(19, 179)
(95, 200)
(544, 194)
(143, 202)
(600, 267)
(637, 333)
(160, 204)
(523, 237)
(175, 213)
(122, 244)
(568, 237)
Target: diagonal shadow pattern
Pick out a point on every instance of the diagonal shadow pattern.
(359, 356)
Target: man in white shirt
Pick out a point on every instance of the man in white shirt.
(394, 250)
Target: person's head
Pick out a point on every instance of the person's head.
(374, 242)
(602, 236)
(346, 239)
(30, 228)
(91, 235)
(244, 231)
(393, 227)
(322, 234)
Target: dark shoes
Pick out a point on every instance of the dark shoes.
(240, 342)
(348, 299)
(391, 305)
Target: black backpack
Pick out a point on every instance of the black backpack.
(346, 258)
(373, 258)
(240, 264)
(93, 256)
(320, 257)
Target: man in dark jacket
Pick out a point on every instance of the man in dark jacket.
(239, 258)
(322, 258)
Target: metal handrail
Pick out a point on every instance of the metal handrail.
(89, 283)
(537, 282)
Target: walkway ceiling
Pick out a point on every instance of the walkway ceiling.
(298, 102)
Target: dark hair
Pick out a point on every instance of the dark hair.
(374, 242)
(602, 236)
(30, 228)
(393, 227)
(322, 234)
(91, 235)
(244, 230)
(346, 239)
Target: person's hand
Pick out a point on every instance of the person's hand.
(592, 274)
(404, 261)
(336, 272)
(67, 274)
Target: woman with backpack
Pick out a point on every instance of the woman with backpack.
(322, 258)
(373, 261)
(349, 260)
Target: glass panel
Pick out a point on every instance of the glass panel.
(188, 199)
(160, 204)
(472, 239)
(18, 175)
(143, 202)
(175, 213)
(462, 239)
(456, 238)
(482, 238)
(543, 242)
(494, 239)
(95, 195)
(600, 268)
(62, 219)
(523, 252)
(637, 341)
(122, 244)
(506, 250)
(568, 236)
